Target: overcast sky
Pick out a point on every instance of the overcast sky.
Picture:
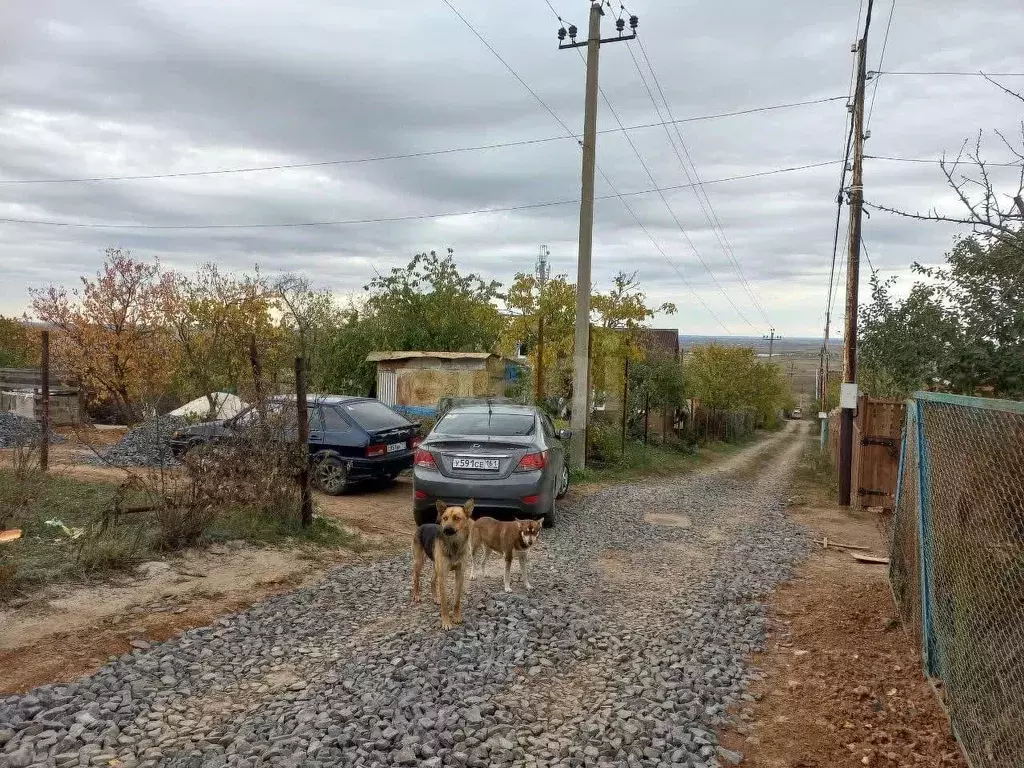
(117, 88)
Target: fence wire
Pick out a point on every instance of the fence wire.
(958, 539)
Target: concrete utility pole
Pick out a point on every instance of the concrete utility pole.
(543, 269)
(853, 267)
(771, 338)
(581, 351)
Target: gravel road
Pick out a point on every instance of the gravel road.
(630, 648)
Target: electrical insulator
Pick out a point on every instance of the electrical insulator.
(572, 31)
(633, 21)
(561, 34)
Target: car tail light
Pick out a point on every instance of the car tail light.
(372, 451)
(424, 459)
(415, 442)
(530, 499)
(532, 462)
(420, 494)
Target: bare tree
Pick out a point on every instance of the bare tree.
(989, 211)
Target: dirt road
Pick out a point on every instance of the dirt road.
(630, 650)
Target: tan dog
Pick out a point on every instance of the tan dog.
(447, 545)
(505, 538)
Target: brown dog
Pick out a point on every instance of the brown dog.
(447, 545)
(505, 538)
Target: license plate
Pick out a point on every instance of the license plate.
(491, 464)
(395, 447)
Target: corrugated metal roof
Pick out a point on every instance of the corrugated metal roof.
(377, 357)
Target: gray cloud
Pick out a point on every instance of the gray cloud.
(117, 88)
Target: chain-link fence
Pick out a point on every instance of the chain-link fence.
(957, 564)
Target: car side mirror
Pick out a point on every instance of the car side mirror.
(565, 434)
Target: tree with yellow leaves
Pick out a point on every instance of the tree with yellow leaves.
(111, 332)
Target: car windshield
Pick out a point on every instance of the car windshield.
(373, 415)
(484, 423)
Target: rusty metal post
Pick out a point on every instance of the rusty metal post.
(44, 375)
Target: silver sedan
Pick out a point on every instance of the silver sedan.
(509, 458)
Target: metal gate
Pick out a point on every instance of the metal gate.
(387, 387)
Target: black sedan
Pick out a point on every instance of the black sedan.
(350, 438)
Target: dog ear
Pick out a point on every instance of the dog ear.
(468, 506)
(441, 506)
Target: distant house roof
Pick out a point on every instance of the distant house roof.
(665, 339)
(377, 357)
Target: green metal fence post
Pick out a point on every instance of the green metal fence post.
(924, 533)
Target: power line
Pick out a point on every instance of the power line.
(954, 74)
(864, 247)
(847, 144)
(413, 155)
(411, 217)
(881, 60)
(654, 182)
(679, 225)
(603, 174)
(709, 212)
(932, 161)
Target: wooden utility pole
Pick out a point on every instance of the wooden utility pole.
(581, 351)
(853, 267)
(771, 338)
(44, 422)
(300, 403)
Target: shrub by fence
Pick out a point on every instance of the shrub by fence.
(712, 424)
(957, 564)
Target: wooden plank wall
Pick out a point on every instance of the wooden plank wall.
(875, 466)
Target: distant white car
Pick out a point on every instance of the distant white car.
(797, 414)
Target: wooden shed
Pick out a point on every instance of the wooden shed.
(414, 382)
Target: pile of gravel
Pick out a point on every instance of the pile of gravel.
(631, 650)
(16, 430)
(148, 445)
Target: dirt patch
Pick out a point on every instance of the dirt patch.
(382, 514)
(843, 684)
(64, 633)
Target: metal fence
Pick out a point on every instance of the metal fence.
(957, 564)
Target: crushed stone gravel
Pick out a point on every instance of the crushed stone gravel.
(16, 431)
(147, 445)
(631, 649)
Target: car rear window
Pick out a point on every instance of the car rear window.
(484, 423)
(373, 415)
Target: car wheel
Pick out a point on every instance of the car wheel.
(549, 516)
(331, 475)
(563, 482)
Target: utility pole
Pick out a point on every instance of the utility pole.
(771, 338)
(542, 272)
(581, 351)
(853, 267)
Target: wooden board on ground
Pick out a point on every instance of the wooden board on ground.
(870, 559)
